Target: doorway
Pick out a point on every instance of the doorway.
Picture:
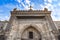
(31, 33)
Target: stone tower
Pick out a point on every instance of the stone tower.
(31, 25)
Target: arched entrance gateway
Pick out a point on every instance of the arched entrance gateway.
(31, 33)
(31, 25)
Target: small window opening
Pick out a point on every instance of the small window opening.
(31, 35)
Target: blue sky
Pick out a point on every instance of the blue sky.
(8, 5)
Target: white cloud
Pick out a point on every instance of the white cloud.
(7, 17)
(27, 2)
(18, 0)
(56, 15)
(54, 8)
(58, 4)
(42, 7)
(45, 0)
(48, 5)
(55, 0)
(50, 1)
(53, 18)
(26, 7)
(3, 17)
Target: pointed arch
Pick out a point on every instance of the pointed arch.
(31, 26)
(34, 26)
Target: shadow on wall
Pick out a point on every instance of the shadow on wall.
(2, 37)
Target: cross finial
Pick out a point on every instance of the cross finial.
(30, 7)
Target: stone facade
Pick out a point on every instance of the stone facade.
(31, 25)
(3, 25)
(57, 24)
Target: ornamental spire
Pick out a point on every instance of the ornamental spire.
(30, 7)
